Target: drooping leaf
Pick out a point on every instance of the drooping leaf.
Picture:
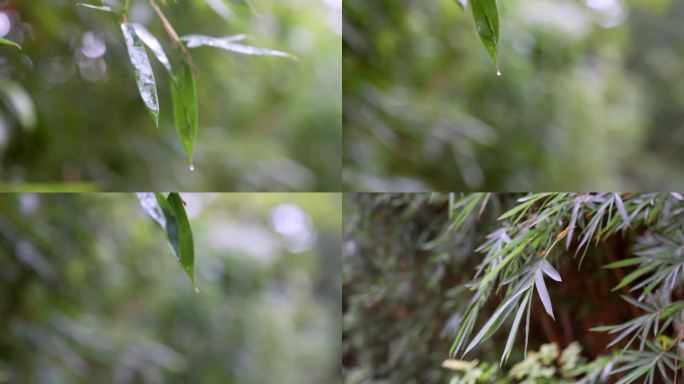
(185, 110)
(550, 271)
(19, 102)
(170, 214)
(186, 247)
(228, 44)
(542, 292)
(153, 44)
(486, 16)
(144, 76)
(515, 326)
(9, 42)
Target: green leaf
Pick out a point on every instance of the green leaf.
(144, 76)
(635, 374)
(9, 42)
(486, 16)
(228, 44)
(634, 275)
(543, 293)
(170, 214)
(185, 110)
(153, 44)
(103, 8)
(186, 247)
(624, 263)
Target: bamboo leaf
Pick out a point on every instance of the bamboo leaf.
(635, 374)
(103, 8)
(486, 16)
(515, 326)
(229, 44)
(549, 270)
(186, 247)
(543, 293)
(144, 76)
(633, 276)
(9, 42)
(185, 110)
(624, 263)
(153, 44)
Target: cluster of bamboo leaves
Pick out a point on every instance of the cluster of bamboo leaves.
(544, 227)
(181, 73)
(169, 213)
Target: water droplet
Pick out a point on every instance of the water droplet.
(498, 72)
(192, 167)
(197, 290)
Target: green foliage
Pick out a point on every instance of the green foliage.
(424, 110)
(264, 123)
(89, 294)
(486, 16)
(485, 255)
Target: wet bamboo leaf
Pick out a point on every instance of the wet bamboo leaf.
(229, 44)
(486, 16)
(9, 42)
(185, 110)
(153, 44)
(186, 247)
(170, 214)
(144, 76)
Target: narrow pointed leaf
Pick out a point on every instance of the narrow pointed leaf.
(621, 209)
(9, 42)
(514, 327)
(543, 293)
(186, 247)
(103, 8)
(624, 263)
(144, 76)
(153, 44)
(634, 275)
(486, 16)
(185, 111)
(635, 374)
(229, 44)
(550, 271)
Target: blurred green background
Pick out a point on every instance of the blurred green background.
(265, 123)
(591, 96)
(91, 293)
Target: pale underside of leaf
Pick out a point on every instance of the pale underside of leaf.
(542, 292)
(515, 326)
(550, 271)
(229, 44)
(9, 42)
(153, 44)
(144, 76)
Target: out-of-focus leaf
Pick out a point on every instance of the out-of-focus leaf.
(625, 262)
(103, 8)
(144, 76)
(486, 16)
(228, 44)
(634, 275)
(9, 42)
(185, 111)
(153, 44)
(543, 293)
(19, 102)
(186, 247)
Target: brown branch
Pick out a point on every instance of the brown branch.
(175, 39)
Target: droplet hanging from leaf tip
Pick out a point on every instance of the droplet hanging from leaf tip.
(197, 290)
(192, 167)
(498, 72)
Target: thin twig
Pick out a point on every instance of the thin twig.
(175, 39)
